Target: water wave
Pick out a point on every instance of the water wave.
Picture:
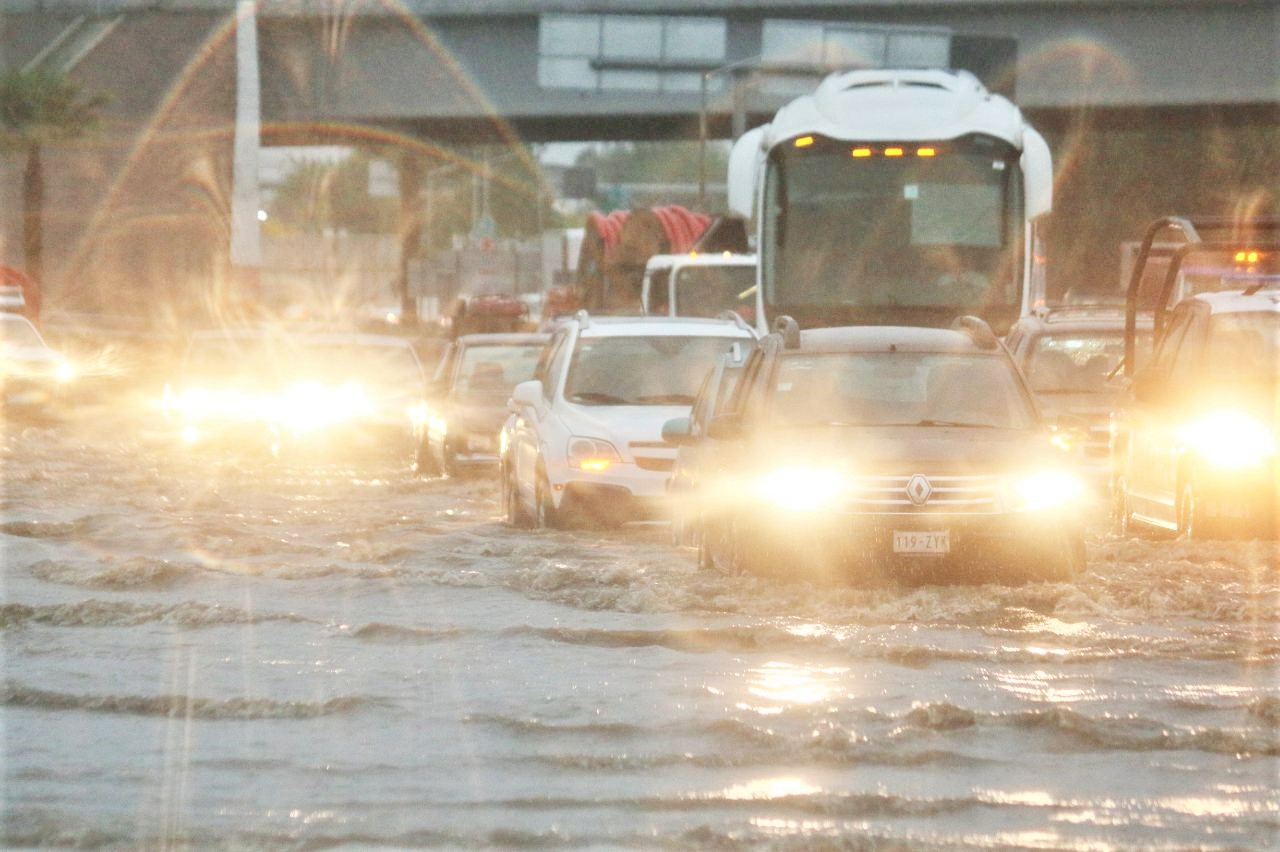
(394, 633)
(95, 613)
(138, 572)
(18, 695)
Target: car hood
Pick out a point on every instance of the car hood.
(1093, 407)
(621, 425)
(29, 355)
(905, 450)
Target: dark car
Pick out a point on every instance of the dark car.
(894, 453)
(1069, 355)
(687, 472)
(467, 400)
(1196, 447)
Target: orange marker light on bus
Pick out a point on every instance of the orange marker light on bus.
(1240, 256)
(1253, 257)
(804, 141)
(859, 153)
(893, 152)
(926, 152)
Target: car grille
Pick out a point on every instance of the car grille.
(650, 463)
(951, 494)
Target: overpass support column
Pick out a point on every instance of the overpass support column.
(411, 173)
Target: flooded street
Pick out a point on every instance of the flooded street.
(320, 651)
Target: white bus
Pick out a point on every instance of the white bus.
(896, 197)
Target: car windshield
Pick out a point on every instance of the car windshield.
(491, 371)
(1247, 343)
(900, 389)
(1080, 362)
(648, 370)
(19, 333)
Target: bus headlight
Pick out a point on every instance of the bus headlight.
(1229, 439)
(800, 489)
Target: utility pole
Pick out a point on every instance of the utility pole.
(246, 230)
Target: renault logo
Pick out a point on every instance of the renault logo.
(919, 489)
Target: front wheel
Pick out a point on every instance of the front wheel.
(1192, 523)
(545, 516)
(1121, 515)
(517, 515)
(423, 462)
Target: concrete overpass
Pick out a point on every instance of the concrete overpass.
(425, 73)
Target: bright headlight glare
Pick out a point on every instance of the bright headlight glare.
(800, 489)
(64, 372)
(1230, 439)
(592, 454)
(1047, 490)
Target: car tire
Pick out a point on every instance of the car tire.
(1121, 515)
(1192, 523)
(705, 561)
(450, 457)
(743, 561)
(424, 463)
(517, 515)
(545, 515)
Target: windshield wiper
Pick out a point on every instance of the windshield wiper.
(598, 397)
(672, 398)
(956, 423)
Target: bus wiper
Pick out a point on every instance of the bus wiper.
(598, 397)
(672, 398)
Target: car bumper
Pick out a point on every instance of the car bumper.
(1242, 502)
(624, 491)
(1012, 544)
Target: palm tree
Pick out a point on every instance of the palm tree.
(39, 107)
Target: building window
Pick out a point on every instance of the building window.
(828, 45)
(628, 53)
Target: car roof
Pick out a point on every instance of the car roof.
(663, 326)
(1237, 302)
(1072, 319)
(503, 339)
(885, 338)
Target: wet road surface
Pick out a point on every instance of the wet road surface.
(205, 650)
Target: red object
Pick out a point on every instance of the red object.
(10, 277)
(497, 306)
(682, 226)
(609, 227)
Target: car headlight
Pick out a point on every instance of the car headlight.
(592, 454)
(1230, 440)
(1047, 489)
(64, 372)
(800, 489)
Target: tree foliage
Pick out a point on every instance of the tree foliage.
(39, 107)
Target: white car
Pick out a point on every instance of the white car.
(585, 442)
(33, 375)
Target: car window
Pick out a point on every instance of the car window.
(1080, 362)
(641, 370)
(904, 388)
(490, 371)
(1163, 361)
(1246, 342)
(1189, 358)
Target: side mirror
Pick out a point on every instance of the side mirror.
(525, 395)
(725, 427)
(678, 431)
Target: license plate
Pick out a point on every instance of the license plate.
(937, 542)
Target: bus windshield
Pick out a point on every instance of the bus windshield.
(921, 235)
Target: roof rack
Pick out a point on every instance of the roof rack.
(1191, 229)
(978, 330)
(583, 318)
(790, 331)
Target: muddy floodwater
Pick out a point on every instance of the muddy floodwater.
(206, 650)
